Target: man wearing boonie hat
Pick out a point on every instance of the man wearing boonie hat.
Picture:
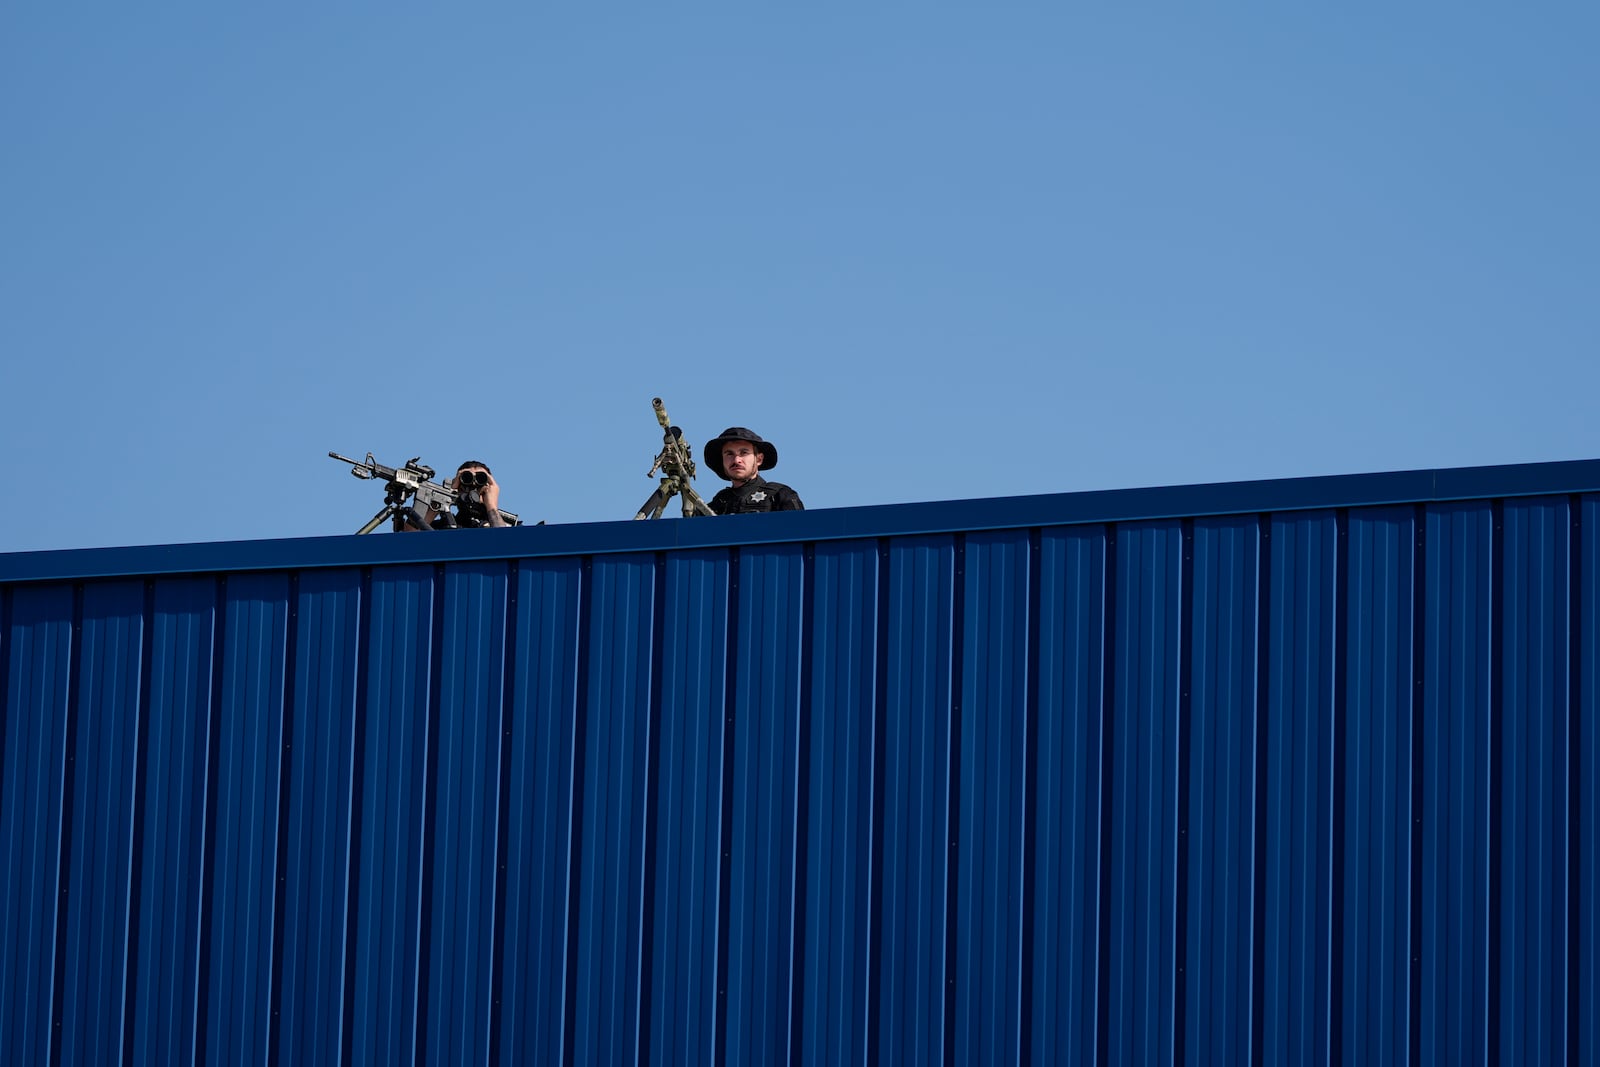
(739, 456)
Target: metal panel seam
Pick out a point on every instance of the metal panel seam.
(200, 1009)
(1258, 773)
(291, 639)
(1574, 797)
(1419, 636)
(141, 762)
(1110, 652)
(356, 815)
(502, 816)
(1182, 815)
(798, 862)
(1497, 711)
(952, 816)
(1337, 865)
(1024, 978)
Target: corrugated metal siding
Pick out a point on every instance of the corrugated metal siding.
(1298, 948)
(840, 841)
(1535, 788)
(1223, 710)
(315, 836)
(1142, 909)
(534, 940)
(39, 624)
(913, 862)
(248, 766)
(1066, 938)
(99, 861)
(1297, 785)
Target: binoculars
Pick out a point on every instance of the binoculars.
(472, 479)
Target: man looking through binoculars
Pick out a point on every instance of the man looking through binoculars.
(477, 498)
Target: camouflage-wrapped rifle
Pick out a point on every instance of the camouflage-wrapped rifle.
(412, 486)
(675, 461)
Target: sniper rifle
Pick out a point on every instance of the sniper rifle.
(675, 461)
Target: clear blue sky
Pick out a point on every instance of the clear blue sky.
(982, 250)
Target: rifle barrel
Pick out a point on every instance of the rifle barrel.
(361, 468)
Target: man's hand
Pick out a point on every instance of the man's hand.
(491, 500)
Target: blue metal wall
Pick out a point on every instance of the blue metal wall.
(1290, 773)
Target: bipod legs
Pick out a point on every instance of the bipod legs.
(383, 513)
(656, 504)
(693, 505)
(669, 488)
(402, 513)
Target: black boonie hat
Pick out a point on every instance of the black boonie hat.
(768, 450)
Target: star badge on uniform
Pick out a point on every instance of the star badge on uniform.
(756, 498)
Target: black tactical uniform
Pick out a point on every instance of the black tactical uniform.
(757, 494)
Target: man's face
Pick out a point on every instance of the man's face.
(741, 460)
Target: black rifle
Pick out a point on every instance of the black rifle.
(412, 486)
(676, 464)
